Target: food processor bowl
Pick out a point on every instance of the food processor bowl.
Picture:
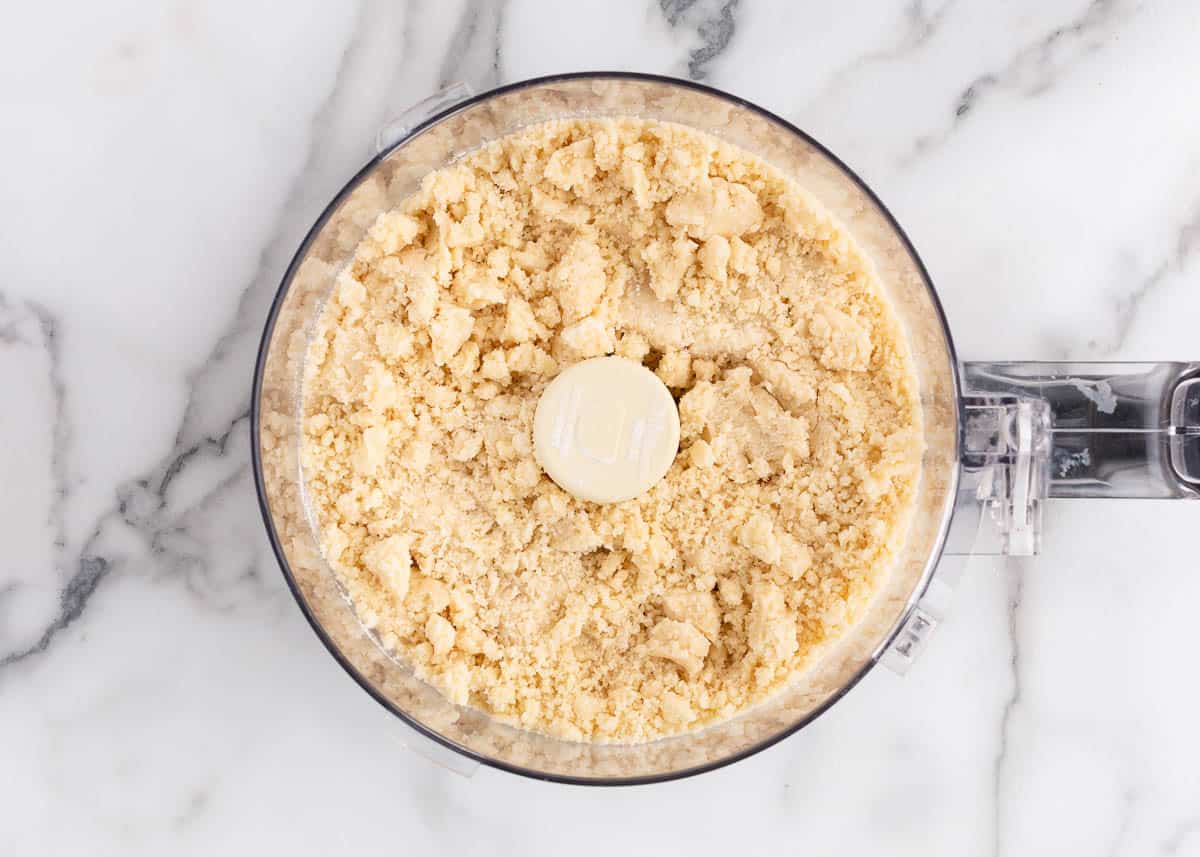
(986, 468)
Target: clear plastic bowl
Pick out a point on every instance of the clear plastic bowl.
(393, 175)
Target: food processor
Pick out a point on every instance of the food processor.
(1000, 439)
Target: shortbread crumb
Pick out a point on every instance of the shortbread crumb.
(800, 430)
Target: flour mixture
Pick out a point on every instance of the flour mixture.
(799, 446)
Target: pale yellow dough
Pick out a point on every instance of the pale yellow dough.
(800, 430)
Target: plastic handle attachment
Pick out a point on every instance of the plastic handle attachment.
(1037, 431)
(1034, 431)
(395, 130)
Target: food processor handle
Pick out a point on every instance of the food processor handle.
(1034, 431)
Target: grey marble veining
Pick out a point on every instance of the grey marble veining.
(713, 23)
(473, 53)
(160, 690)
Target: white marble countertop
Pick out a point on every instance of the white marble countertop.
(160, 691)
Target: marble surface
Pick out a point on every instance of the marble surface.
(160, 691)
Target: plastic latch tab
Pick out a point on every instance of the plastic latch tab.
(1006, 446)
(912, 638)
(395, 130)
(440, 755)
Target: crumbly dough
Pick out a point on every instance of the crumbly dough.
(800, 430)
